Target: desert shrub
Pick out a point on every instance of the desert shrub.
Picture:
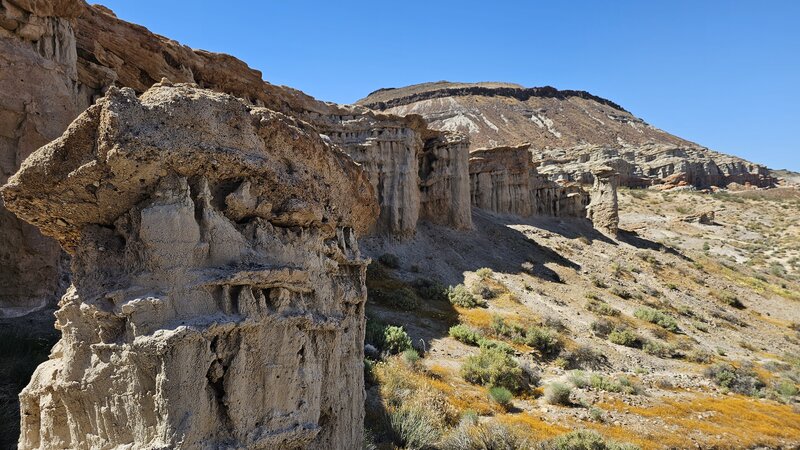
(624, 337)
(657, 317)
(503, 328)
(742, 379)
(544, 340)
(484, 273)
(496, 345)
(657, 348)
(730, 299)
(602, 308)
(602, 327)
(471, 435)
(597, 282)
(586, 440)
(461, 296)
(583, 357)
(430, 289)
(374, 333)
(415, 426)
(557, 393)
(395, 340)
(493, 367)
(786, 390)
(596, 414)
(620, 384)
(369, 371)
(389, 260)
(484, 291)
(411, 357)
(578, 379)
(700, 356)
(465, 334)
(621, 293)
(501, 396)
(403, 298)
(700, 326)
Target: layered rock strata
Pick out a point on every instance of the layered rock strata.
(505, 180)
(218, 292)
(574, 130)
(603, 209)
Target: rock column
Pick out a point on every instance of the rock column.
(603, 209)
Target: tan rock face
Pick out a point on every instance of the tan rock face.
(444, 180)
(603, 209)
(218, 292)
(505, 180)
(38, 99)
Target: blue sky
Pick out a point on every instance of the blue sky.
(724, 74)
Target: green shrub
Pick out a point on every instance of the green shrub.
(411, 357)
(602, 327)
(608, 384)
(415, 426)
(501, 396)
(578, 379)
(389, 260)
(496, 345)
(731, 300)
(659, 349)
(430, 290)
(403, 298)
(465, 334)
(657, 317)
(742, 379)
(485, 292)
(395, 340)
(600, 307)
(624, 337)
(374, 333)
(586, 440)
(461, 296)
(471, 435)
(700, 356)
(597, 282)
(543, 340)
(557, 393)
(484, 273)
(493, 367)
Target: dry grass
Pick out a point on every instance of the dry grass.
(740, 422)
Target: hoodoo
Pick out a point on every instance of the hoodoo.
(218, 293)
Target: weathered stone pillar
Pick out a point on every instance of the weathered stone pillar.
(603, 209)
(218, 292)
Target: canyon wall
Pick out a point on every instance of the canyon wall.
(444, 180)
(505, 180)
(40, 96)
(218, 292)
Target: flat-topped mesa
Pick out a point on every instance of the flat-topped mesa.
(603, 210)
(218, 292)
(417, 173)
(505, 180)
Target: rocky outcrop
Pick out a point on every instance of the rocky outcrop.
(444, 180)
(573, 131)
(417, 173)
(505, 180)
(603, 209)
(218, 292)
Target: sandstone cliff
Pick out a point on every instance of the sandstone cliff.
(505, 180)
(567, 128)
(218, 292)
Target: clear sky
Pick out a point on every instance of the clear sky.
(724, 74)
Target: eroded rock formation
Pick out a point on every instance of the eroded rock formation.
(505, 180)
(603, 209)
(444, 180)
(39, 97)
(573, 130)
(218, 292)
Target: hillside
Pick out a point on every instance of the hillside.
(569, 130)
(680, 334)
